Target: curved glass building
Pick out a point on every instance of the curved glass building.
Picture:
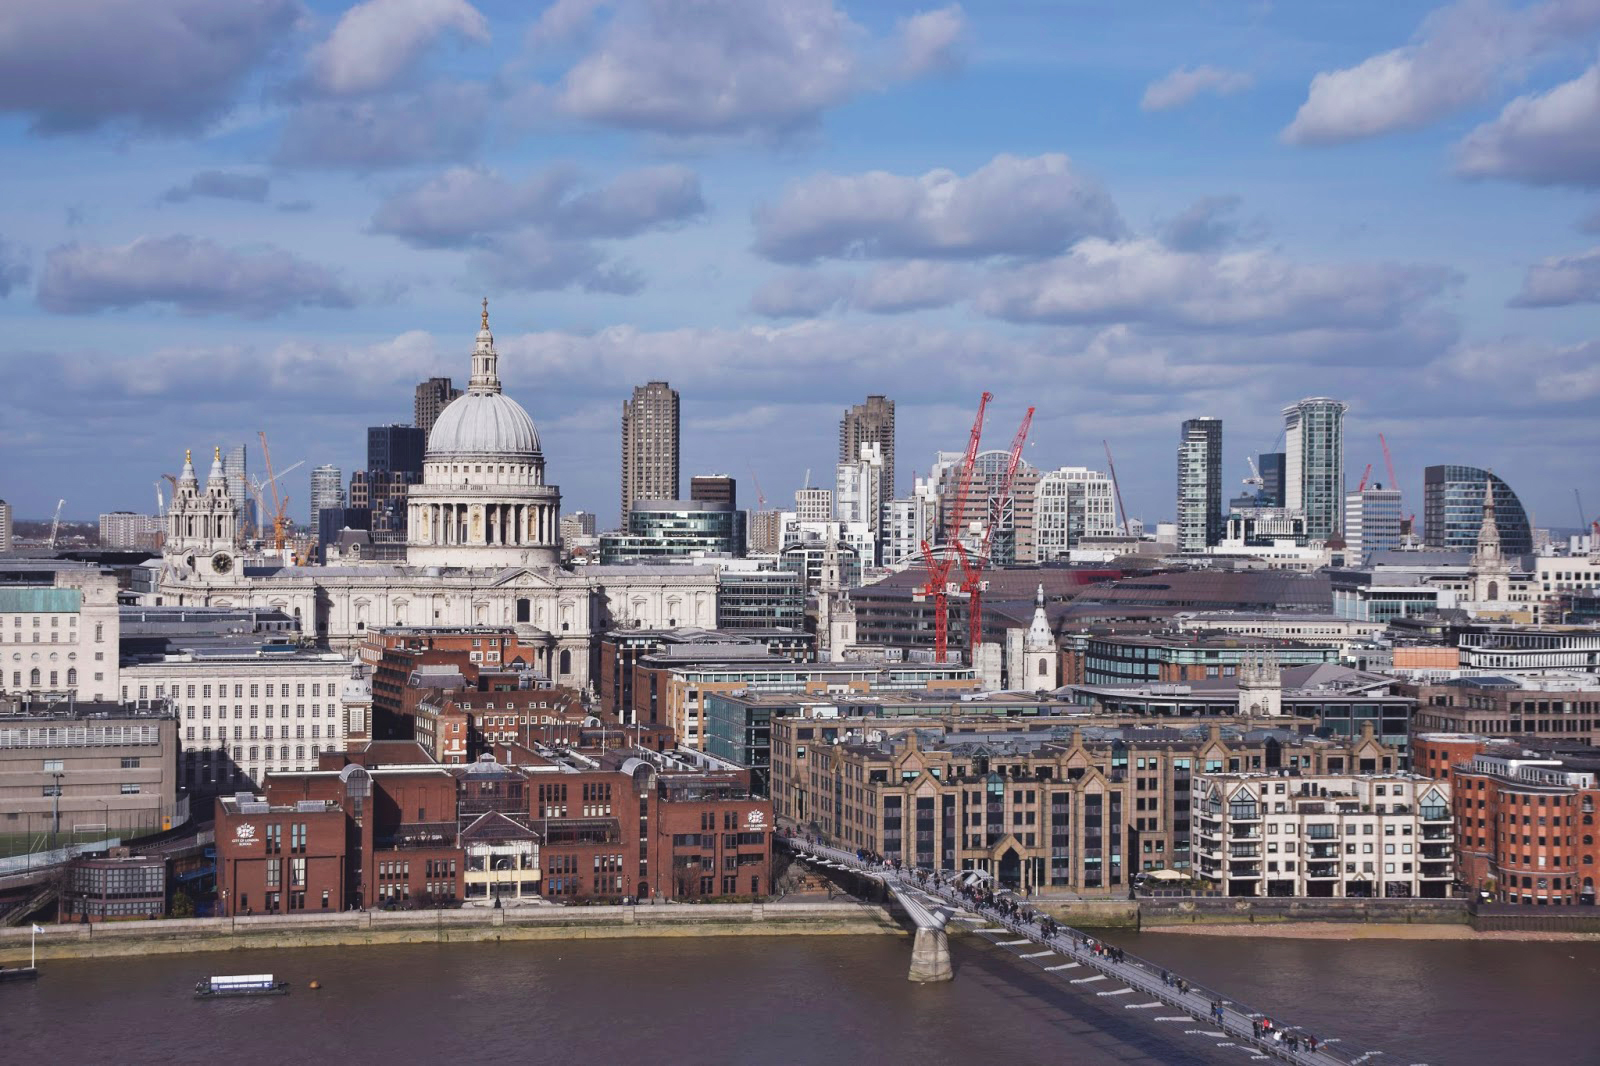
(1452, 510)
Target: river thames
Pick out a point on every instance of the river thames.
(803, 1000)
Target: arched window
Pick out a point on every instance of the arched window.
(524, 610)
(33, 677)
(72, 676)
(1494, 590)
(566, 661)
(1044, 667)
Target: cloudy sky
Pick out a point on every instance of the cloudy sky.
(279, 215)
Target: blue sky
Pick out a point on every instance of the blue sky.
(276, 215)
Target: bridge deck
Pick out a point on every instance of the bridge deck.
(931, 904)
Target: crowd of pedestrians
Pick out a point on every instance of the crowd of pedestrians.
(981, 897)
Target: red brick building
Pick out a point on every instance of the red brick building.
(393, 827)
(1524, 818)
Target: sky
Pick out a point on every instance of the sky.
(279, 215)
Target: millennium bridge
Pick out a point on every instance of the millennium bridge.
(932, 900)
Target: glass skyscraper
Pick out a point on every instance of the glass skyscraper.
(1200, 484)
(1452, 510)
(1314, 464)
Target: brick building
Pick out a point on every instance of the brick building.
(393, 828)
(1557, 708)
(1050, 804)
(1524, 817)
(456, 726)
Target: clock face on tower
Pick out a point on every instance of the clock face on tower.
(222, 562)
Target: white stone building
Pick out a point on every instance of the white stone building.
(60, 636)
(1070, 503)
(483, 549)
(248, 712)
(1373, 835)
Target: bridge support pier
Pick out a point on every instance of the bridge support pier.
(930, 957)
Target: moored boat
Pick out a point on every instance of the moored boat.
(260, 984)
(19, 973)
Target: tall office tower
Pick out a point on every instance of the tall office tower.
(1452, 510)
(1371, 523)
(327, 489)
(1313, 463)
(870, 423)
(234, 466)
(1011, 517)
(1200, 484)
(649, 445)
(1271, 465)
(714, 488)
(394, 464)
(433, 396)
(5, 526)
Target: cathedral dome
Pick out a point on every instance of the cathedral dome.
(483, 425)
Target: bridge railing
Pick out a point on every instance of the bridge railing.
(1237, 1020)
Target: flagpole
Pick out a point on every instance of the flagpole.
(33, 946)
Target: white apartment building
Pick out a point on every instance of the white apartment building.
(246, 712)
(858, 488)
(1380, 836)
(813, 505)
(128, 529)
(60, 636)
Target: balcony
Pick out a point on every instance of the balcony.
(1322, 851)
(1435, 851)
(1244, 851)
(1238, 870)
(1435, 814)
(1436, 832)
(1322, 870)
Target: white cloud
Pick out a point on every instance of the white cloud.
(539, 233)
(1208, 224)
(1460, 54)
(801, 294)
(220, 185)
(563, 20)
(1140, 281)
(1185, 83)
(737, 67)
(1550, 373)
(13, 268)
(890, 288)
(169, 65)
(1562, 280)
(376, 42)
(1009, 206)
(1550, 138)
(440, 123)
(931, 42)
(194, 275)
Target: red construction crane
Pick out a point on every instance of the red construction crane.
(972, 568)
(1388, 462)
(1364, 475)
(1116, 488)
(280, 517)
(937, 584)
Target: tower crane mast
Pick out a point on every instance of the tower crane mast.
(972, 568)
(938, 569)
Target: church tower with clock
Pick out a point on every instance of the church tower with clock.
(202, 523)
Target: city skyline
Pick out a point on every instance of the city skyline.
(185, 265)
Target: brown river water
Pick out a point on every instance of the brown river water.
(802, 1000)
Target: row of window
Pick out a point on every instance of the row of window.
(222, 733)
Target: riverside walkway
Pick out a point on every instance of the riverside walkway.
(932, 901)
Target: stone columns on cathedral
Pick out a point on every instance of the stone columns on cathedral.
(490, 524)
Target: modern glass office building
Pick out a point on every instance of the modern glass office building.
(1200, 484)
(660, 529)
(1314, 463)
(1452, 510)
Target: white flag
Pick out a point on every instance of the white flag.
(38, 929)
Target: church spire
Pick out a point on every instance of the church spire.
(485, 362)
(1488, 533)
(187, 476)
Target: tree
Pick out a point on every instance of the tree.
(182, 905)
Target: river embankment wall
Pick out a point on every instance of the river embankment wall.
(350, 928)
(1177, 913)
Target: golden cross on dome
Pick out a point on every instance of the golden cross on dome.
(216, 453)
(485, 312)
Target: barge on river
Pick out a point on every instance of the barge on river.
(260, 984)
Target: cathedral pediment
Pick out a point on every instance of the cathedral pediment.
(525, 577)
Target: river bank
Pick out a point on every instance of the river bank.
(353, 928)
(1373, 931)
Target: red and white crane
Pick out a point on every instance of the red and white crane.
(938, 583)
(972, 567)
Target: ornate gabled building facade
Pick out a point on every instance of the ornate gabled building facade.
(483, 547)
